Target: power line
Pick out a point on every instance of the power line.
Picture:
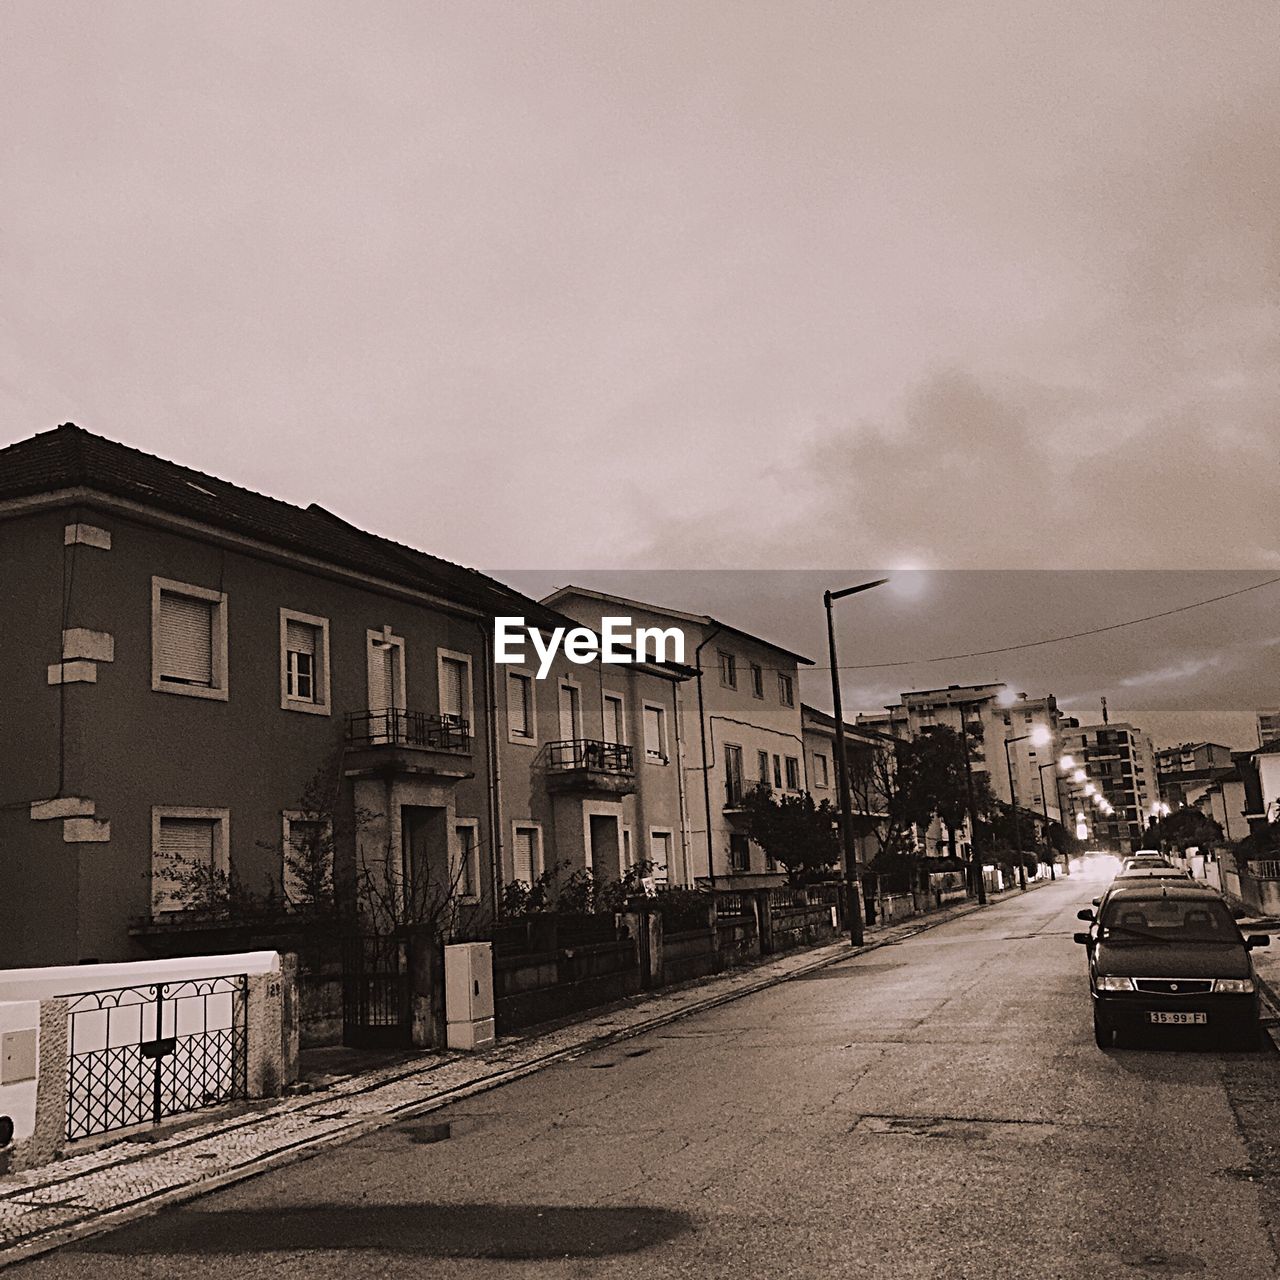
(1034, 644)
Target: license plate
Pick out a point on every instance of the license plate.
(1179, 1019)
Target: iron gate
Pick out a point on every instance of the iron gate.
(138, 1054)
(376, 1009)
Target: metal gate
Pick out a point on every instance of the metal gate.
(138, 1054)
(376, 1007)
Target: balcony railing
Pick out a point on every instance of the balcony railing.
(590, 754)
(734, 793)
(398, 727)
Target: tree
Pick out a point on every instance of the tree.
(1185, 828)
(794, 831)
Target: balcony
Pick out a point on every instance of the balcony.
(399, 741)
(590, 765)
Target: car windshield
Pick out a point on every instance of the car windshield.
(1169, 919)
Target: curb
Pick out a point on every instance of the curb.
(295, 1153)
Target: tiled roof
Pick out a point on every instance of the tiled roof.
(70, 457)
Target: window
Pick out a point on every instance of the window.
(821, 777)
(521, 725)
(777, 772)
(526, 852)
(786, 690)
(655, 734)
(307, 874)
(793, 774)
(732, 775)
(757, 680)
(188, 640)
(455, 687)
(570, 712)
(304, 662)
(739, 853)
(386, 670)
(728, 670)
(762, 766)
(628, 849)
(615, 720)
(464, 871)
(189, 861)
(660, 855)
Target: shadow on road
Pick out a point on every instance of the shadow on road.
(428, 1230)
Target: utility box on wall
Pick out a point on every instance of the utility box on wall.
(468, 995)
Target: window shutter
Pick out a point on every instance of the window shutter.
(523, 853)
(184, 843)
(186, 639)
(300, 637)
(613, 720)
(452, 691)
(518, 706)
(652, 732)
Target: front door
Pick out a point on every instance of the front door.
(606, 846)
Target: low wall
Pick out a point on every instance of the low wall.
(800, 926)
(689, 954)
(528, 989)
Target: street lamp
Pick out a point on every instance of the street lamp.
(1039, 735)
(852, 879)
(1044, 805)
(974, 860)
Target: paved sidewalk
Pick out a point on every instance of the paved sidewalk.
(85, 1194)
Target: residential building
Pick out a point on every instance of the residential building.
(1119, 760)
(993, 715)
(869, 753)
(1222, 797)
(1185, 768)
(195, 663)
(738, 726)
(1268, 725)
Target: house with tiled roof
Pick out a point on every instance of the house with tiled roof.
(187, 664)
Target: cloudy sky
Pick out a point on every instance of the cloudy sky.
(670, 284)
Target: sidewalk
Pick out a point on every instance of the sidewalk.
(125, 1179)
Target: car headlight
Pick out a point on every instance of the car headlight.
(1107, 982)
(1233, 986)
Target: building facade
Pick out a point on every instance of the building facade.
(214, 684)
(1185, 768)
(739, 725)
(994, 715)
(1119, 760)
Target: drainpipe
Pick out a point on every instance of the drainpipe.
(495, 773)
(706, 767)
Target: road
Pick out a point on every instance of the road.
(936, 1108)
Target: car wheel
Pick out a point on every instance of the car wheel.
(1103, 1033)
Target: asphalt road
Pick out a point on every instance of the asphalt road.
(936, 1108)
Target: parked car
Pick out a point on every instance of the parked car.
(1166, 954)
(1145, 860)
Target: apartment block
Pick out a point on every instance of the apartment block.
(1120, 761)
(738, 726)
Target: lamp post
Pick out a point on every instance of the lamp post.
(852, 881)
(1044, 806)
(1038, 735)
(974, 860)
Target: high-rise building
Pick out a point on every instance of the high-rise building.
(1119, 760)
(1268, 721)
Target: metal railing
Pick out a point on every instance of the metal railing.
(397, 727)
(592, 754)
(1264, 869)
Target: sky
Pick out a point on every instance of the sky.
(580, 287)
